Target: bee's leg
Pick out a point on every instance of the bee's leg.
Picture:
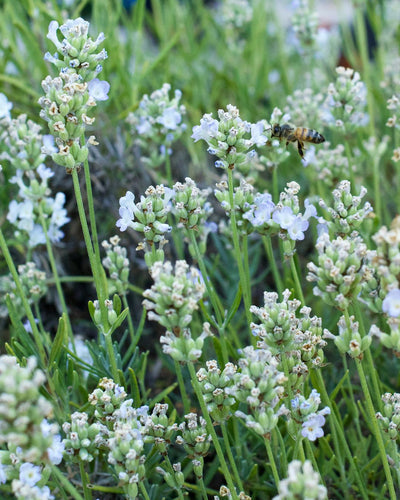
(287, 143)
(300, 148)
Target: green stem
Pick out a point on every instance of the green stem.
(296, 279)
(98, 275)
(216, 304)
(271, 459)
(182, 388)
(172, 472)
(372, 373)
(236, 245)
(282, 448)
(129, 318)
(143, 490)
(310, 456)
(211, 430)
(66, 483)
(376, 430)
(86, 492)
(56, 277)
(245, 249)
(350, 162)
(25, 303)
(338, 433)
(230, 456)
(362, 43)
(272, 262)
(168, 167)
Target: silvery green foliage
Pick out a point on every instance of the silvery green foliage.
(389, 419)
(230, 138)
(157, 124)
(117, 263)
(349, 339)
(215, 386)
(260, 385)
(340, 270)
(24, 429)
(302, 482)
(70, 96)
(347, 214)
(174, 296)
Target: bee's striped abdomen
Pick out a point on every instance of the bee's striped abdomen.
(309, 135)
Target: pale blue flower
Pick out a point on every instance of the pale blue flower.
(98, 89)
(170, 118)
(5, 106)
(48, 147)
(297, 228)
(208, 129)
(52, 34)
(29, 474)
(3, 474)
(284, 217)
(56, 450)
(312, 427)
(391, 303)
(257, 136)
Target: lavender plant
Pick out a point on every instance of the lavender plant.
(240, 337)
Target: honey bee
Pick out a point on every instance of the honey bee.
(299, 134)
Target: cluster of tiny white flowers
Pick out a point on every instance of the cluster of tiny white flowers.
(117, 263)
(31, 441)
(69, 97)
(25, 149)
(305, 25)
(302, 482)
(304, 412)
(349, 339)
(330, 165)
(284, 218)
(305, 106)
(283, 332)
(393, 105)
(215, 386)
(346, 215)
(341, 269)
(34, 287)
(230, 138)
(158, 121)
(175, 294)
(346, 101)
(389, 419)
(260, 385)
